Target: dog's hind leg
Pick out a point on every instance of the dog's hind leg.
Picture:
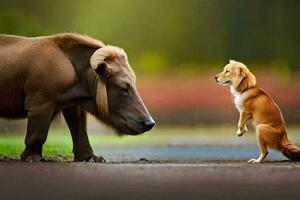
(262, 144)
(263, 154)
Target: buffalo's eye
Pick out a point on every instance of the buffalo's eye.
(124, 91)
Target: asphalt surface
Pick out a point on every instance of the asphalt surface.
(158, 180)
(186, 154)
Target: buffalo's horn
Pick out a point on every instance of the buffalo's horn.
(98, 57)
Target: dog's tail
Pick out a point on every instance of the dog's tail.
(291, 151)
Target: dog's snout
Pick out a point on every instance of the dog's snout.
(148, 123)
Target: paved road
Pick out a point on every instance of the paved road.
(186, 153)
(202, 180)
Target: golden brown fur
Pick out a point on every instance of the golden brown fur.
(254, 103)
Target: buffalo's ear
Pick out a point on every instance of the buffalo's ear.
(102, 70)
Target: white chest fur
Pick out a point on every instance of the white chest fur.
(238, 100)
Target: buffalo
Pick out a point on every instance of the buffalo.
(71, 73)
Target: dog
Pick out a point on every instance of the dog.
(254, 103)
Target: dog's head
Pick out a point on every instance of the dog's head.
(237, 75)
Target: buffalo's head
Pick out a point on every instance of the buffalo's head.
(118, 101)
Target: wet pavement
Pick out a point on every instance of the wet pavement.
(183, 154)
(203, 180)
(176, 168)
(156, 173)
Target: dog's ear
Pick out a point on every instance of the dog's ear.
(240, 76)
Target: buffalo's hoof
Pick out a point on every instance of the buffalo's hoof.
(91, 159)
(33, 158)
(96, 159)
(29, 156)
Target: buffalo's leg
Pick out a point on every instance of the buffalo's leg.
(76, 120)
(37, 129)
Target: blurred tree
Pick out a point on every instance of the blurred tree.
(263, 30)
(170, 34)
(16, 22)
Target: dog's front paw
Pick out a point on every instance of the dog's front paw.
(241, 131)
(253, 161)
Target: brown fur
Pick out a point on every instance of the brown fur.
(42, 76)
(254, 103)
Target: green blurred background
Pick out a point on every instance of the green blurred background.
(175, 47)
(163, 35)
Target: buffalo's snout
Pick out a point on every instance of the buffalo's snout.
(148, 123)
